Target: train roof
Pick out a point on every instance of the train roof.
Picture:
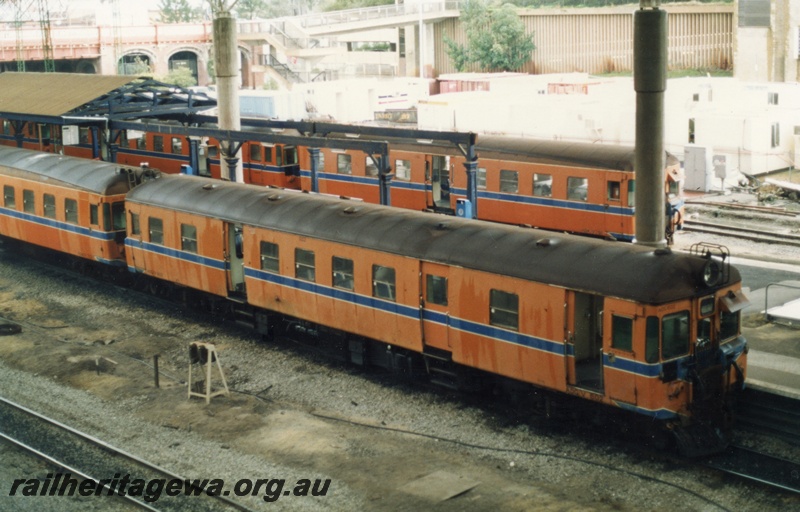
(595, 266)
(93, 176)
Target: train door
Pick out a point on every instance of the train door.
(618, 347)
(235, 259)
(615, 203)
(585, 334)
(437, 181)
(434, 305)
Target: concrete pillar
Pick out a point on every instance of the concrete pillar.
(226, 67)
(650, 83)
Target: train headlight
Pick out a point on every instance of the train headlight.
(712, 272)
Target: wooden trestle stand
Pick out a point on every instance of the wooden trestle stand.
(205, 354)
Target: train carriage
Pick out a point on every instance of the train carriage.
(63, 204)
(650, 331)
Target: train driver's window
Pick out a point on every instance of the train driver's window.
(613, 191)
(28, 201)
(370, 169)
(651, 339)
(343, 165)
(504, 309)
(342, 273)
(509, 181)
(383, 282)
(543, 185)
(304, 266)
(621, 333)
(156, 231)
(269, 257)
(436, 289)
(402, 170)
(9, 199)
(577, 189)
(675, 335)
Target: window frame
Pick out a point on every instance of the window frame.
(9, 192)
(136, 228)
(270, 256)
(342, 273)
(28, 201)
(49, 206)
(622, 333)
(345, 158)
(506, 181)
(71, 210)
(305, 265)
(542, 190)
(498, 311)
(189, 238)
(401, 163)
(672, 354)
(151, 221)
(572, 188)
(434, 294)
(391, 286)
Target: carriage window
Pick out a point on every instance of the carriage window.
(577, 189)
(304, 265)
(290, 155)
(156, 230)
(402, 169)
(177, 146)
(269, 257)
(321, 166)
(613, 191)
(675, 335)
(9, 200)
(255, 152)
(729, 325)
(342, 273)
(370, 169)
(158, 143)
(268, 154)
(118, 215)
(436, 289)
(621, 333)
(141, 143)
(94, 215)
(83, 135)
(542, 185)
(28, 201)
(480, 177)
(188, 238)
(135, 229)
(383, 282)
(343, 165)
(509, 181)
(49, 206)
(631, 193)
(71, 211)
(213, 151)
(651, 340)
(504, 309)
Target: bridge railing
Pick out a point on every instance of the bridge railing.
(379, 12)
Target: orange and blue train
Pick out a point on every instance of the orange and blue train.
(653, 332)
(575, 187)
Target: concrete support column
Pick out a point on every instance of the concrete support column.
(226, 66)
(385, 176)
(472, 185)
(650, 83)
(314, 153)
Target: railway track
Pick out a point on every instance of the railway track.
(758, 467)
(770, 414)
(755, 235)
(82, 457)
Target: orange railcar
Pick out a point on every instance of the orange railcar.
(653, 332)
(66, 204)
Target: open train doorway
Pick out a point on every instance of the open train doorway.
(587, 338)
(437, 176)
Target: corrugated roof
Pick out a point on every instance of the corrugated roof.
(53, 94)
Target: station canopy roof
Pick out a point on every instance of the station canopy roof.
(72, 98)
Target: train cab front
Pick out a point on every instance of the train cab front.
(717, 363)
